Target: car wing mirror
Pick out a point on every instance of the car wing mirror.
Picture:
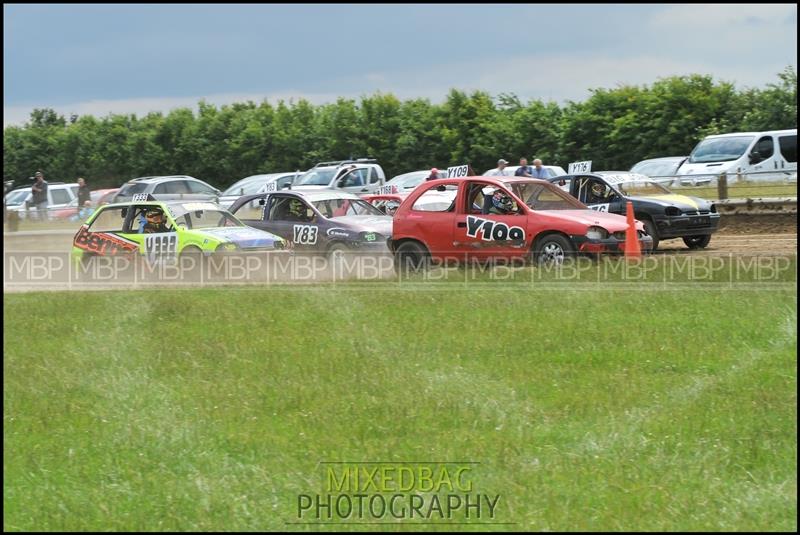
(124, 211)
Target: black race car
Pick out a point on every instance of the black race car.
(321, 221)
(665, 214)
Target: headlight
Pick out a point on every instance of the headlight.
(672, 211)
(226, 247)
(597, 233)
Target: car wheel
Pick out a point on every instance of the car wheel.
(411, 257)
(697, 242)
(552, 249)
(650, 228)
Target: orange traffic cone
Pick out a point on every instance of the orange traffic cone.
(632, 247)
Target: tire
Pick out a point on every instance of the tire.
(697, 242)
(650, 228)
(552, 249)
(337, 248)
(411, 257)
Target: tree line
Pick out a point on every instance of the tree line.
(614, 128)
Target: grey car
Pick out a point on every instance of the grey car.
(168, 188)
(257, 184)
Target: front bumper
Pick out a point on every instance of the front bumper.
(686, 225)
(608, 245)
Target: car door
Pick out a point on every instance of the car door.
(354, 181)
(481, 235)
(155, 246)
(764, 159)
(303, 232)
(787, 145)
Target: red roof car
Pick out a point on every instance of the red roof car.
(543, 223)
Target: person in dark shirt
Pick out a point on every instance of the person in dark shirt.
(83, 193)
(434, 175)
(39, 197)
(523, 170)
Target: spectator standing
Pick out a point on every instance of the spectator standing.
(538, 170)
(39, 197)
(83, 193)
(500, 170)
(524, 169)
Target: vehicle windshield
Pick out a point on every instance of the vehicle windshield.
(200, 219)
(540, 196)
(245, 187)
(412, 179)
(18, 197)
(642, 187)
(664, 168)
(720, 149)
(342, 207)
(316, 177)
(131, 188)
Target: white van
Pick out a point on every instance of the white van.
(753, 156)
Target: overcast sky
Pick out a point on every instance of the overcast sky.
(96, 59)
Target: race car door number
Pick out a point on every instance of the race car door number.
(305, 234)
(600, 207)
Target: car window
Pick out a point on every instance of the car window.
(439, 199)
(139, 220)
(60, 196)
(289, 208)
(199, 187)
(352, 179)
(342, 207)
(765, 147)
(788, 145)
(284, 180)
(108, 220)
(373, 176)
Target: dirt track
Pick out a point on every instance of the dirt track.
(730, 240)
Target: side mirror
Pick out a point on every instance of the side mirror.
(124, 211)
(441, 188)
(755, 157)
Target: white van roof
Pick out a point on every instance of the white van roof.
(775, 132)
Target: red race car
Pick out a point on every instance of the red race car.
(386, 202)
(502, 217)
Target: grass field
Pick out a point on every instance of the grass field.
(741, 190)
(587, 410)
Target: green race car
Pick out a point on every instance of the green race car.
(165, 230)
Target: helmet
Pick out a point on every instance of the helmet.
(502, 201)
(296, 208)
(391, 207)
(155, 216)
(598, 189)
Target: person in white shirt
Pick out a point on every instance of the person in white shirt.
(501, 169)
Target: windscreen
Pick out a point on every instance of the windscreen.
(720, 149)
(316, 177)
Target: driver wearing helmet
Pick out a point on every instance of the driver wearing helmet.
(597, 193)
(502, 203)
(297, 211)
(155, 221)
